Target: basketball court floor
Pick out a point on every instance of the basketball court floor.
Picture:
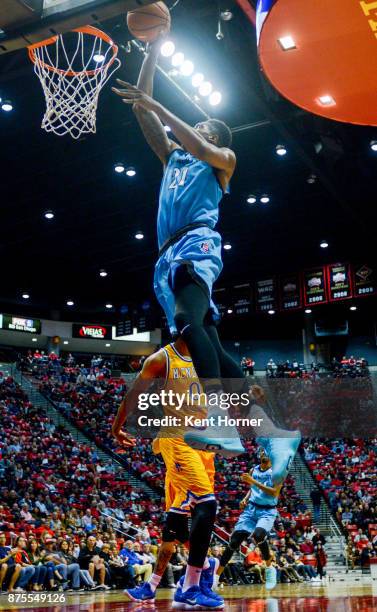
(335, 597)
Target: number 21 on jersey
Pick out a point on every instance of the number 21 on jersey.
(179, 178)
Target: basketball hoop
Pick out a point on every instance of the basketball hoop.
(73, 78)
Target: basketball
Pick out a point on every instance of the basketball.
(148, 22)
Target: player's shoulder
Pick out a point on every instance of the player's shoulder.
(155, 364)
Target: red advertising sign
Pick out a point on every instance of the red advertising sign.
(315, 289)
(339, 281)
(93, 331)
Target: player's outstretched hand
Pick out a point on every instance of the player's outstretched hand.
(132, 95)
(258, 394)
(124, 438)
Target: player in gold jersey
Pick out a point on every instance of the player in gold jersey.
(189, 482)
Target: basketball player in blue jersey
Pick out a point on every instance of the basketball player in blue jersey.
(258, 517)
(197, 173)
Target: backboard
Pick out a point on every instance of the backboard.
(24, 22)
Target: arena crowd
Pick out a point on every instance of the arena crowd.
(70, 521)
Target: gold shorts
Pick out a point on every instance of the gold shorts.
(190, 474)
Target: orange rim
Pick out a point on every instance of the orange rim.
(91, 31)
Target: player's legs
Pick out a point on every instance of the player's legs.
(280, 445)
(264, 525)
(244, 528)
(175, 530)
(236, 539)
(191, 308)
(228, 367)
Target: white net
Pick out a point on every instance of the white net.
(72, 74)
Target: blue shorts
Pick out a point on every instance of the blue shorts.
(254, 517)
(200, 250)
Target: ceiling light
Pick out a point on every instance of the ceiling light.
(271, 312)
(227, 246)
(107, 345)
(65, 342)
(103, 273)
(131, 171)
(197, 79)
(119, 168)
(230, 310)
(251, 199)
(167, 128)
(353, 307)
(287, 43)
(34, 339)
(168, 48)
(326, 100)
(70, 303)
(109, 306)
(324, 244)
(373, 145)
(139, 235)
(25, 296)
(215, 98)
(265, 199)
(7, 106)
(281, 150)
(187, 68)
(99, 57)
(177, 59)
(308, 311)
(49, 214)
(226, 15)
(205, 88)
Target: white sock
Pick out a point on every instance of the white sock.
(206, 564)
(154, 581)
(216, 579)
(192, 577)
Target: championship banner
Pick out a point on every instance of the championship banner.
(124, 327)
(222, 300)
(290, 292)
(12, 323)
(364, 281)
(92, 331)
(339, 282)
(145, 318)
(315, 290)
(266, 295)
(242, 299)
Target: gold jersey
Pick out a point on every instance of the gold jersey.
(186, 392)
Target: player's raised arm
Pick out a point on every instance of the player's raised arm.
(154, 367)
(149, 122)
(204, 148)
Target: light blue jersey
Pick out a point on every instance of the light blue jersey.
(257, 496)
(190, 193)
(261, 509)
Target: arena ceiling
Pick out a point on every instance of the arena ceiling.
(97, 212)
